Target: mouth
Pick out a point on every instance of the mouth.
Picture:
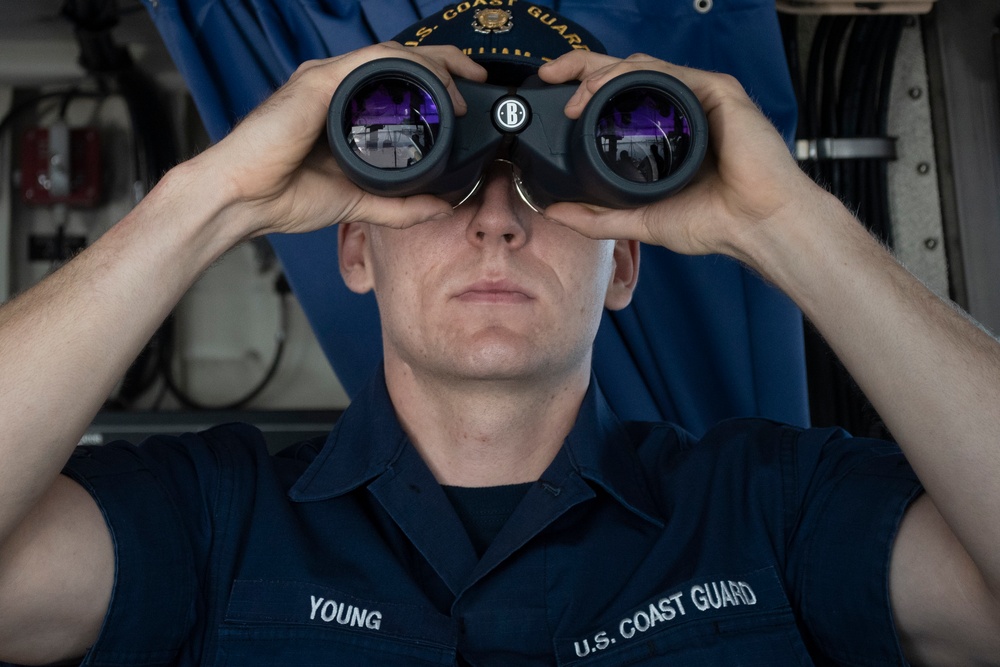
(494, 292)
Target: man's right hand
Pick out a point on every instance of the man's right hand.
(277, 166)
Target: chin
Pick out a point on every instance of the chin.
(505, 363)
(499, 354)
(492, 364)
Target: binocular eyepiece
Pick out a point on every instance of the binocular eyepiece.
(393, 130)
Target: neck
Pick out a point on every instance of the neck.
(485, 432)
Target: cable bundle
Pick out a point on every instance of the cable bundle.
(844, 94)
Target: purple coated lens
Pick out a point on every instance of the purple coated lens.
(643, 135)
(391, 123)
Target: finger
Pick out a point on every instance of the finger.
(446, 62)
(311, 86)
(598, 222)
(398, 212)
(595, 70)
(456, 62)
(574, 66)
(598, 77)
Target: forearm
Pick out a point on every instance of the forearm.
(65, 343)
(932, 374)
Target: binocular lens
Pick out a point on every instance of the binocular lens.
(391, 123)
(643, 135)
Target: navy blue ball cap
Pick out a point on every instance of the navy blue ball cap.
(512, 34)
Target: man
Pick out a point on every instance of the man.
(617, 543)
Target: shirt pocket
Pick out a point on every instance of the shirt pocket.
(300, 624)
(713, 620)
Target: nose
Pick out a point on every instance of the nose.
(499, 216)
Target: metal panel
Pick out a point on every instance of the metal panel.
(914, 198)
(964, 77)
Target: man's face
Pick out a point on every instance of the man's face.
(496, 292)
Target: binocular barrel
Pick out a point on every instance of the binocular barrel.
(393, 130)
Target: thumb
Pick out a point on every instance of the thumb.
(598, 222)
(399, 212)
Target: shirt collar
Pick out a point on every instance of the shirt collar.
(362, 445)
(600, 449)
(368, 439)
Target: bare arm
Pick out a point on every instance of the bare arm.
(66, 342)
(933, 375)
(63, 346)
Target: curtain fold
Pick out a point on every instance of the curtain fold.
(704, 339)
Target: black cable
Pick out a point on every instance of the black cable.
(869, 194)
(789, 26)
(854, 75)
(893, 38)
(166, 364)
(857, 58)
(93, 21)
(829, 125)
(845, 95)
(810, 128)
(153, 126)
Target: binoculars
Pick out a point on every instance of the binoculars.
(393, 130)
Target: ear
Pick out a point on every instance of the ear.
(624, 276)
(355, 259)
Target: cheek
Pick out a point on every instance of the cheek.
(587, 273)
(404, 267)
(392, 278)
(393, 263)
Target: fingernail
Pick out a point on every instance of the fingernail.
(442, 216)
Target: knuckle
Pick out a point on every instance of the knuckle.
(446, 50)
(380, 50)
(731, 85)
(305, 66)
(310, 74)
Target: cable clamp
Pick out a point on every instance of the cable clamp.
(856, 148)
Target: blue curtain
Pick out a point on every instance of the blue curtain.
(704, 339)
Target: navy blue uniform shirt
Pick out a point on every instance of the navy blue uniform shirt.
(758, 544)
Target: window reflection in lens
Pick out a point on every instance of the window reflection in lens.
(643, 135)
(391, 123)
